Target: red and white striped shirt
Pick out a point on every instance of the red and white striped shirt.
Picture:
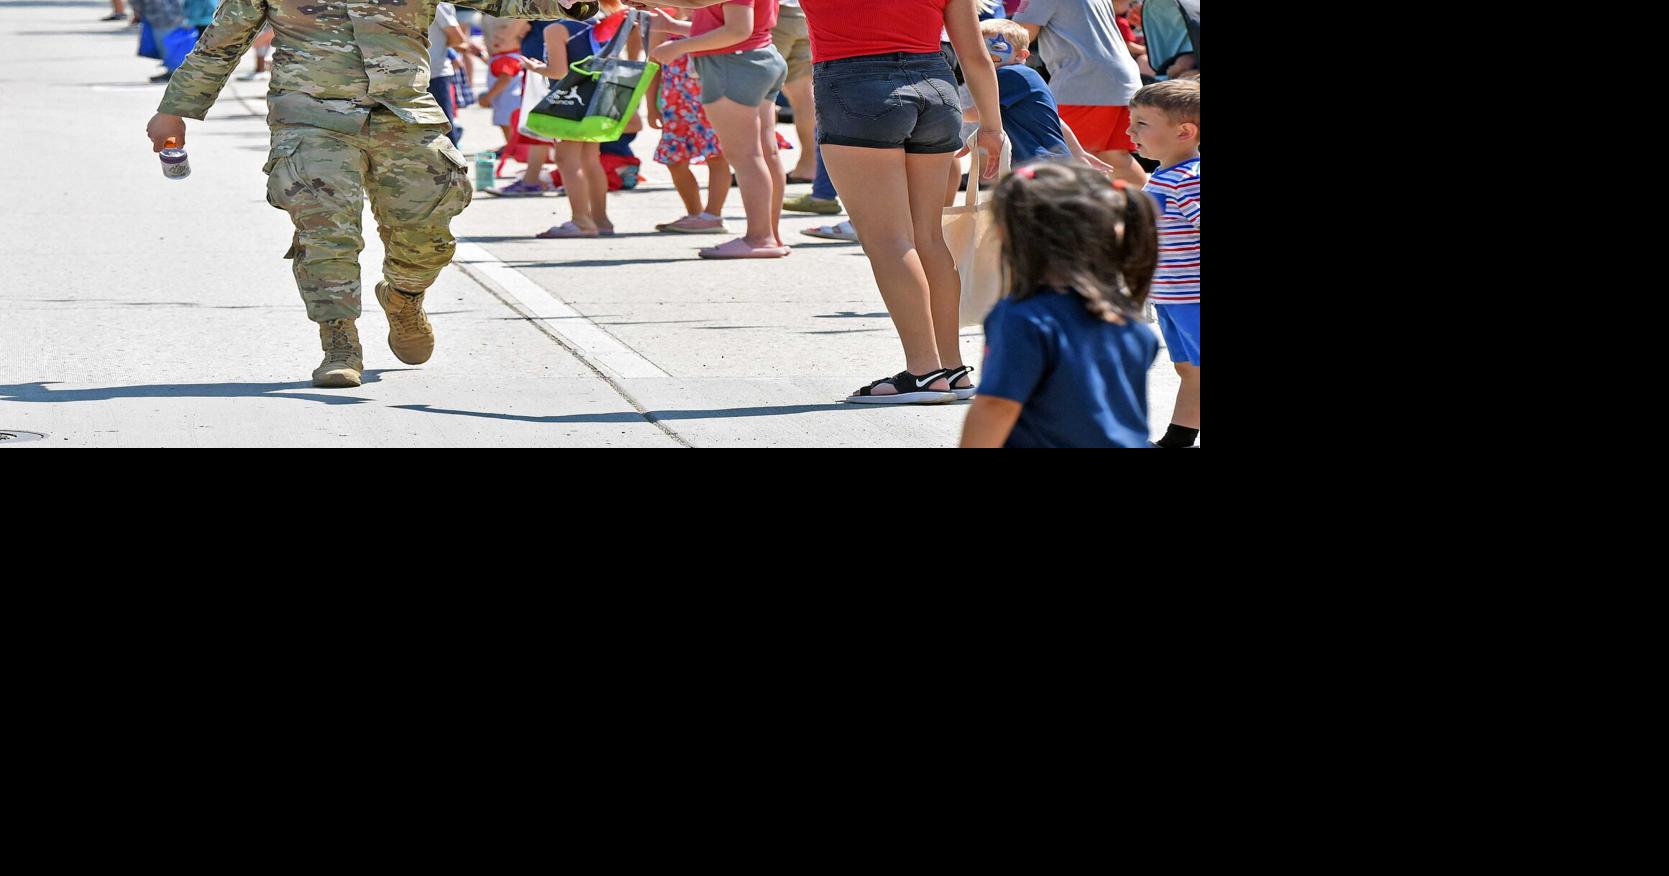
(1177, 189)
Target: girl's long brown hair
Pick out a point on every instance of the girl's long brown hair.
(1064, 226)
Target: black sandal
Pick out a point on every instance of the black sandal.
(955, 374)
(908, 389)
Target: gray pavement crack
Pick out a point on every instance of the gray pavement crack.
(549, 332)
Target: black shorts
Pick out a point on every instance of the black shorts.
(897, 101)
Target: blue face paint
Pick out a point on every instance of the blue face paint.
(1001, 49)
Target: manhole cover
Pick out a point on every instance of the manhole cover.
(15, 437)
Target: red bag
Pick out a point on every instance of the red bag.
(612, 165)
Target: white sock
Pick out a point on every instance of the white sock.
(705, 215)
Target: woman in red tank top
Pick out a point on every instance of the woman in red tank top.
(889, 121)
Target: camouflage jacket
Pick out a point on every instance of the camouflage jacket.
(335, 60)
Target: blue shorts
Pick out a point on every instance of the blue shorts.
(1180, 323)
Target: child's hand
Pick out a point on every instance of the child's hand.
(1097, 164)
(164, 127)
(655, 120)
(536, 66)
(485, 101)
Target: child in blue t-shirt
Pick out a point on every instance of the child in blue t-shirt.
(1031, 118)
(1066, 353)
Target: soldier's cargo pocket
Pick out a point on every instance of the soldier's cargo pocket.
(279, 177)
(421, 184)
(462, 190)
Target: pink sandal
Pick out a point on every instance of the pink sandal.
(566, 231)
(741, 249)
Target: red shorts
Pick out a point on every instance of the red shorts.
(1100, 128)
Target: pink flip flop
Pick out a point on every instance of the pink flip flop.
(565, 231)
(741, 249)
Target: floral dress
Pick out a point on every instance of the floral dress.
(686, 135)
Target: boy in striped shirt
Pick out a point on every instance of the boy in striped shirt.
(1165, 123)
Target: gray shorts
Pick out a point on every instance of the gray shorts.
(749, 78)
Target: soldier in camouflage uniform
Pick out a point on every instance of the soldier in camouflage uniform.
(351, 115)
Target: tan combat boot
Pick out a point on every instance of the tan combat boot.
(410, 335)
(344, 358)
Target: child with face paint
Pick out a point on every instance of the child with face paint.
(1030, 116)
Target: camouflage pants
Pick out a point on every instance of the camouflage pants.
(417, 182)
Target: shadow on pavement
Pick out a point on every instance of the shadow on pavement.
(40, 393)
(513, 238)
(723, 414)
(844, 332)
(128, 32)
(599, 263)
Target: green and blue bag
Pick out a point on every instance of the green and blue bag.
(598, 97)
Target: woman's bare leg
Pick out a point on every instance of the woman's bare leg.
(927, 176)
(802, 98)
(738, 128)
(874, 186)
(773, 163)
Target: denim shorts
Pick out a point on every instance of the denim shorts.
(897, 101)
(749, 78)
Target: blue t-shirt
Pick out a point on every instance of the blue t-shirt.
(533, 45)
(580, 45)
(1081, 382)
(1030, 116)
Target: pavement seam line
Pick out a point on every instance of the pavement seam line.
(517, 306)
(598, 344)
